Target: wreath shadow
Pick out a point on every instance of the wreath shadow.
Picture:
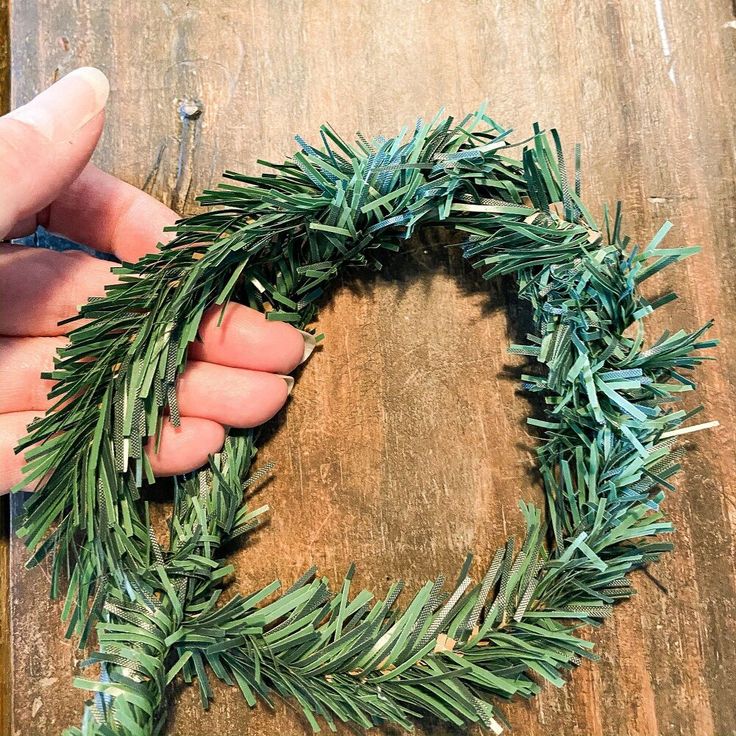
(436, 252)
(431, 252)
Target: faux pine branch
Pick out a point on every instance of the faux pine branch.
(276, 242)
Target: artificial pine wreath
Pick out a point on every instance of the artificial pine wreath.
(275, 242)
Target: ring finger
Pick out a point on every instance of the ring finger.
(233, 397)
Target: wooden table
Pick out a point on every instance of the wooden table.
(404, 445)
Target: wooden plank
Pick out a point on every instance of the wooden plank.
(5, 660)
(404, 445)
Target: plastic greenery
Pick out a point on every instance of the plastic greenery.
(275, 242)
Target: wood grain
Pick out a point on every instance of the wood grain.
(404, 445)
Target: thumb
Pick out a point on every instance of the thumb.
(46, 143)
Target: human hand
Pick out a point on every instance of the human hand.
(236, 374)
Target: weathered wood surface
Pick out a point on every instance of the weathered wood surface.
(5, 680)
(404, 445)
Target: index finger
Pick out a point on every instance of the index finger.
(45, 143)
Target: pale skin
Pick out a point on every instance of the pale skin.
(237, 376)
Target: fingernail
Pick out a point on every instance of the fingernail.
(289, 382)
(309, 343)
(66, 106)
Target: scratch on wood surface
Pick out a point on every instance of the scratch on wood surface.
(190, 113)
(665, 41)
(150, 180)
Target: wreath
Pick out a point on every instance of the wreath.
(606, 454)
